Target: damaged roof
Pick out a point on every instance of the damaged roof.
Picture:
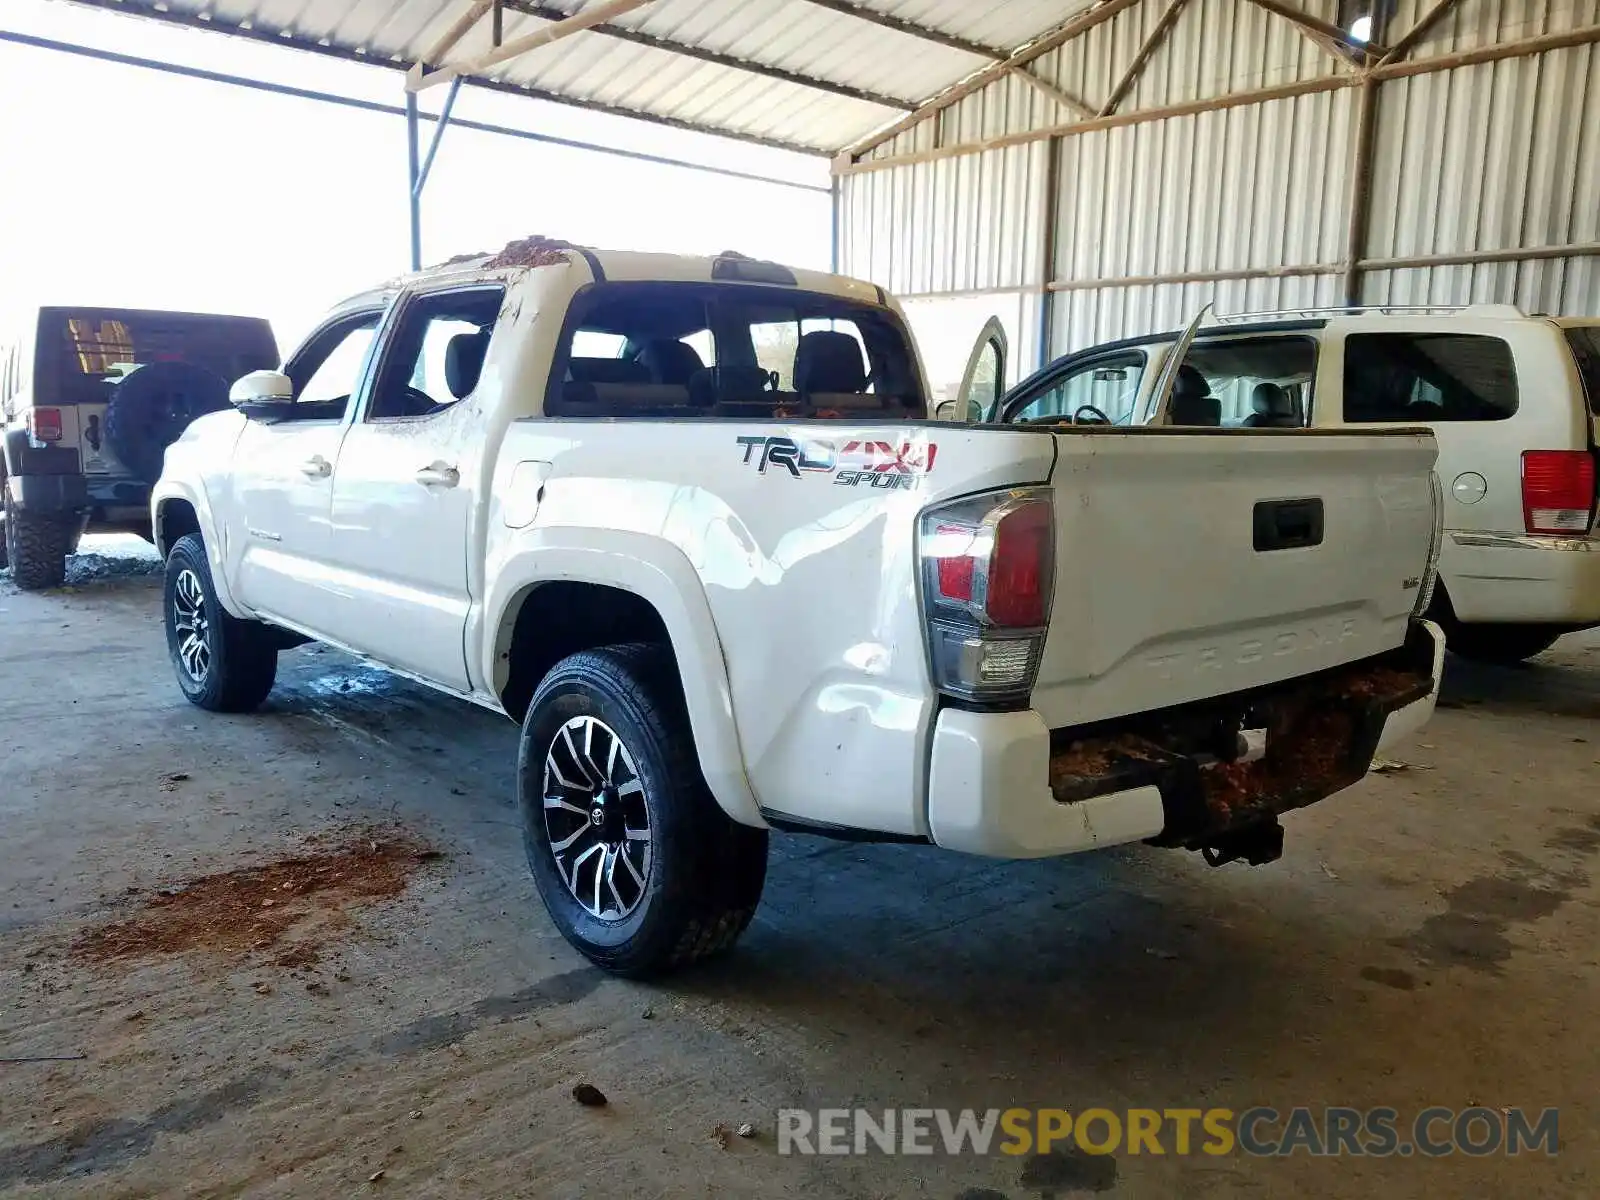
(808, 75)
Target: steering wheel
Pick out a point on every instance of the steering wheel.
(1096, 416)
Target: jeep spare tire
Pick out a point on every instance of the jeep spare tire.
(150, 408)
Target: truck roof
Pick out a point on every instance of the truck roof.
(630, 266)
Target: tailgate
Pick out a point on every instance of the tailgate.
(1192, 563)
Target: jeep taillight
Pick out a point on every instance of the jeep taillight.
(1557, 491)
(988, 564)
(44, 424)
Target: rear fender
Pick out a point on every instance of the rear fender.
(658, 573)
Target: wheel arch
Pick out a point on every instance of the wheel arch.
(177, 511)
(618, 587)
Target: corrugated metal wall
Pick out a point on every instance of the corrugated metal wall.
(1483, 158)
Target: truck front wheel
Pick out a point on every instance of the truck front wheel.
(639, 867)
(223, 664)
(37, 545)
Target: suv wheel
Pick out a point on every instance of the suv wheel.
(36, 547)
(639, 867)
(1500, 643)
(223, 664)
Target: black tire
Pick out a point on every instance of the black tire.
(223, 664)
(151, 407)
(702, 872)
(1504, 644)
(36, 547)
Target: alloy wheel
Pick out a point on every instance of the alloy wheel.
(192, 625)
(596, 819)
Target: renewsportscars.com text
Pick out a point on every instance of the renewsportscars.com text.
(1330, 1131)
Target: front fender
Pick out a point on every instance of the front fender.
(658, 572)
(171, 490)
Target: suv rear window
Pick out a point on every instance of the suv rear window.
(1585, 345)
(79, 350)
(1428, 377)
(709, 350)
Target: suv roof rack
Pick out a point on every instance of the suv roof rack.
(1339, 310)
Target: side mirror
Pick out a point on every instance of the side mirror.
(956, 410)
(263, 395)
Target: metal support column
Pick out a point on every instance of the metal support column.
(1050, 212)
(1361, 189)
(835, 198)
(414, 194)
(419, 175)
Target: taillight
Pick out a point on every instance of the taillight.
(44, 424)
(988, 564)
(1557, 491)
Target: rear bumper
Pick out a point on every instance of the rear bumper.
(47, 493)
(1001, 785)
(1505, 577)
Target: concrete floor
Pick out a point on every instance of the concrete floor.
(1428, 939)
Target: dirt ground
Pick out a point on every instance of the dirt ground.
(1430, 938)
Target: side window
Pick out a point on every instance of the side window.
(987, 381)
(436, 354)
(1428, 377)
(327, 369)
(1246, 382)
(1585, 343)
(1109, 384)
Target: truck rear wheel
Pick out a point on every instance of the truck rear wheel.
(223, 664)
(1500, 643)
(36, 547)
(639, 867)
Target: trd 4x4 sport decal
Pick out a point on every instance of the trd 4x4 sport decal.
(854, 464)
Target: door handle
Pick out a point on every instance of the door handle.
(438, 475)
(316, 468)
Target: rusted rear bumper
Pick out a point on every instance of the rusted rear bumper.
(1322, 732)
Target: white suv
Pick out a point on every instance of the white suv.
(1513, 399)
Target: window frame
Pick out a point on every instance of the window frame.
(341, 324)
(1505, 343)
(389, 337)
(1076, 365)
(582, 304)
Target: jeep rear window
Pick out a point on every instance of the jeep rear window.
(80, 351)
(1585, 343)
(734, 351)
(1428, 377)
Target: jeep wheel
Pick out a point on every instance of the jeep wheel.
(640, 869)
(223, 664)
(1503, 644)
(36, 547)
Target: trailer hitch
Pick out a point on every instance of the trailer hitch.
(1258, 844)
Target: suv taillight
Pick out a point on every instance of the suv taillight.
(44, 424)
(1557, 491)
(988, 564)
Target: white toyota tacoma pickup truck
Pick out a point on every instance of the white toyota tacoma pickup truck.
(686, 520)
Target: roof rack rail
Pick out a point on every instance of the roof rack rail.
(1340, 310)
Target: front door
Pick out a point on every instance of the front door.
(405, 486)
(283, 479)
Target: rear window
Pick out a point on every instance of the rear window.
(1585, 345)
(1428, 377)
(684, 349)
(80, 352)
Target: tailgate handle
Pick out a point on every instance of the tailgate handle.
(1288, 524)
